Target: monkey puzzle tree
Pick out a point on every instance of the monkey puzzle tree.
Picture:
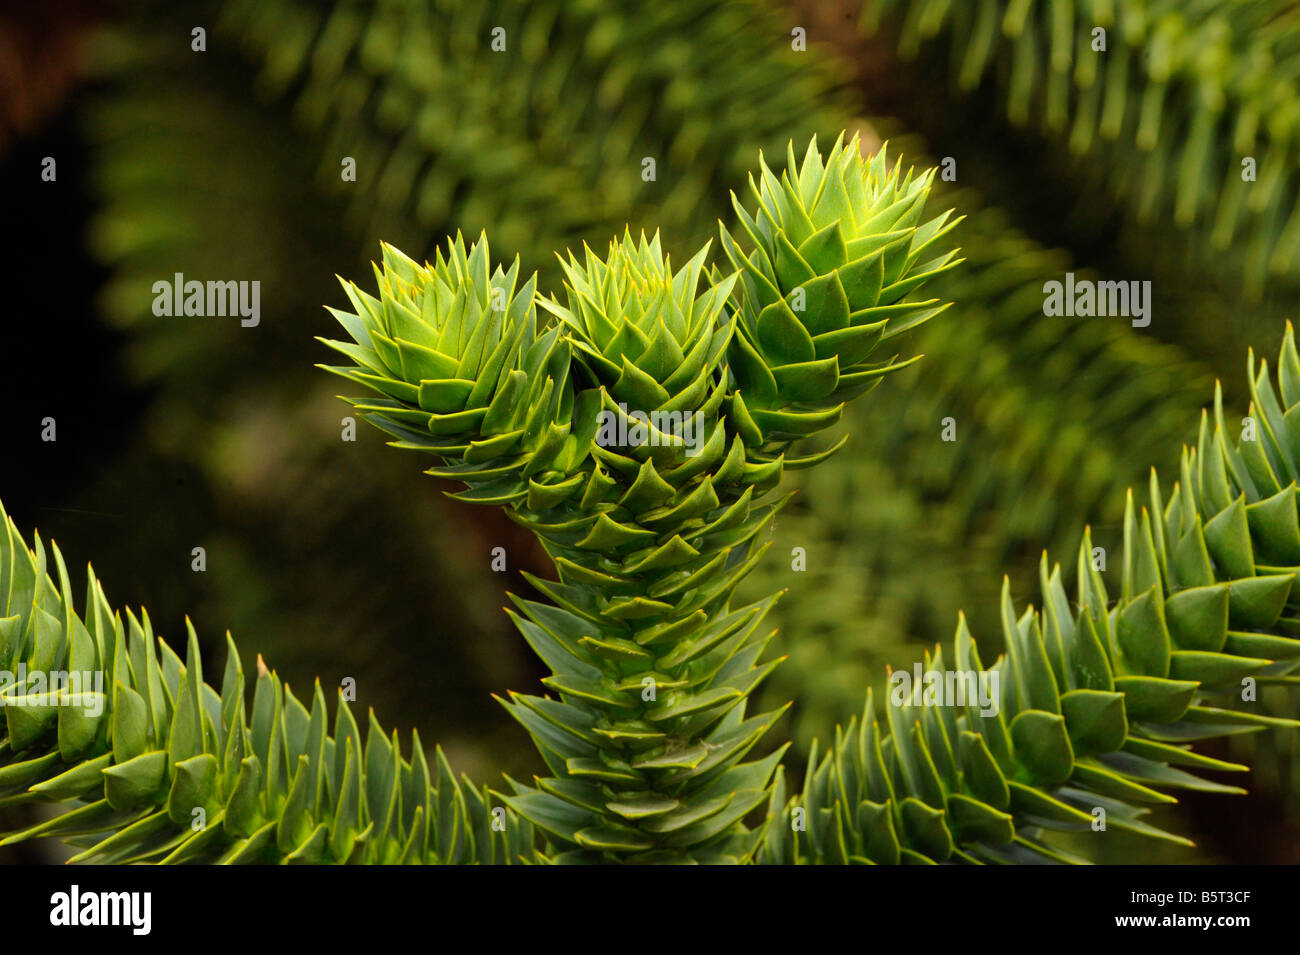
(646, 736)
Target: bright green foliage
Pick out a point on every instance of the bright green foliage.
(651, 519)
(1195, 87)
(836, 246)
(1100, 697)
(643, 333)
(455, 353)
(443, 324)
(155, 765)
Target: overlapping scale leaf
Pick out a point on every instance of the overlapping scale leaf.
(652, 502)
(652, 342)
(148, 763)
(828, 256)
(651, 663)
(453, 352)
(651, 666)
(1099, 698)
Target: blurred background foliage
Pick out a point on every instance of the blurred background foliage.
(336, 559)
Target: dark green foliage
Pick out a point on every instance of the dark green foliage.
(1168, 107)
(543, 142)
(1100, 696)
(155, 765)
